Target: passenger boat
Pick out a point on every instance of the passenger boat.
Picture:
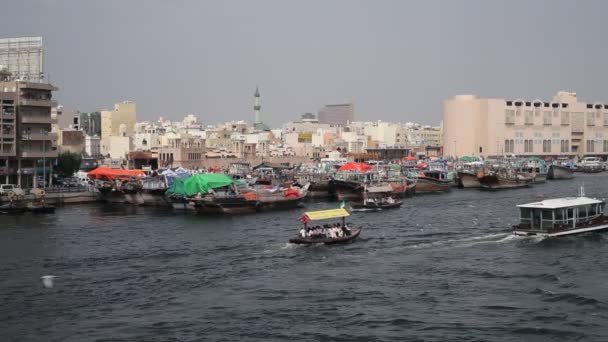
(329, 235)
(559, 172)
(561, 216)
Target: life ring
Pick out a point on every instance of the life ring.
(42, 193)
(11, 195)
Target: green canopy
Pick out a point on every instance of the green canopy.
(469, 159)
(199, 183)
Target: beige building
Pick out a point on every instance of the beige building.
(497, 127)
(120, 121)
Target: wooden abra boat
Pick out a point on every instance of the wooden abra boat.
(327, 234)
(376, 204)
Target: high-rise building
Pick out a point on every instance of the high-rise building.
(337, 114)
(120, 121)
(23, 58)
(495, 127)
(26, 141)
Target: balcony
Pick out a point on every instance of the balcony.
(38, 154)
(39, 136)
(36, 119)
(38, 103)
(8, 153)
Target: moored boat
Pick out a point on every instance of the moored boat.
(504, 179)
(433, 181)
(559, 172)
(468, 179)
(375, 205)
(337, 233)
(561, 216)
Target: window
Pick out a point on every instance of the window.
(509, 146)
(528, 146)
(565, 146)
(509, 116)
(546, 118)
(605, 145)
(590, 146)
(529, 117)
(590, 119)
(547, 146)
(605, 119)
(565, 118)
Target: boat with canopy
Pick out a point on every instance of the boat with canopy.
(561, 216)
(328, 234)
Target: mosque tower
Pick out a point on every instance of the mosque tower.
(257, 107)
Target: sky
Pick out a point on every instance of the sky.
(395, 60)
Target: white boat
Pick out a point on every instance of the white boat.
(561, 216)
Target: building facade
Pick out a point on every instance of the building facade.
(337, 114)
(563, 126)
(27, 145)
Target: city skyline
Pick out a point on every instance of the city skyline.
(396, 61)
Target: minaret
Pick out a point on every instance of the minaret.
(256, 108)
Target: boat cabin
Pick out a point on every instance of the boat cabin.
(560, 215)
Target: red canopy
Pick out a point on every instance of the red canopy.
(361, 167)
(409, 158)
(421, 165)
(107, 173)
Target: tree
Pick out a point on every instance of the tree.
(68, 163)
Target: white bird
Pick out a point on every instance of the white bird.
(47, 281)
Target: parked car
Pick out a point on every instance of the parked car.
(6, 188)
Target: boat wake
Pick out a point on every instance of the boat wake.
(498, 238)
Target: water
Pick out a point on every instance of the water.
(443, 267)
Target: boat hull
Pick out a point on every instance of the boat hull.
(493, 182)
(468, 180)
(428, 185)
(369, 207)
(557, 172)
(523, 232)
(328, 241)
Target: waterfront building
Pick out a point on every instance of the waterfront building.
(185, 151)
(26, 141)
(563, 126)
(337, 114)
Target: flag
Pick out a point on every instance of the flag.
(343, 204)
(304, 219)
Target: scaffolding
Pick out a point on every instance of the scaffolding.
(23, 58)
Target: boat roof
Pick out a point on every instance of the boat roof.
(557, 203)
(326, 214)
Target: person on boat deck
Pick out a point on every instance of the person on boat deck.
(390, 200)
(302, 232)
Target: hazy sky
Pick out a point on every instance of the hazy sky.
(397, 60)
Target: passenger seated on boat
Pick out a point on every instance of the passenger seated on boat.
(302, 232)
